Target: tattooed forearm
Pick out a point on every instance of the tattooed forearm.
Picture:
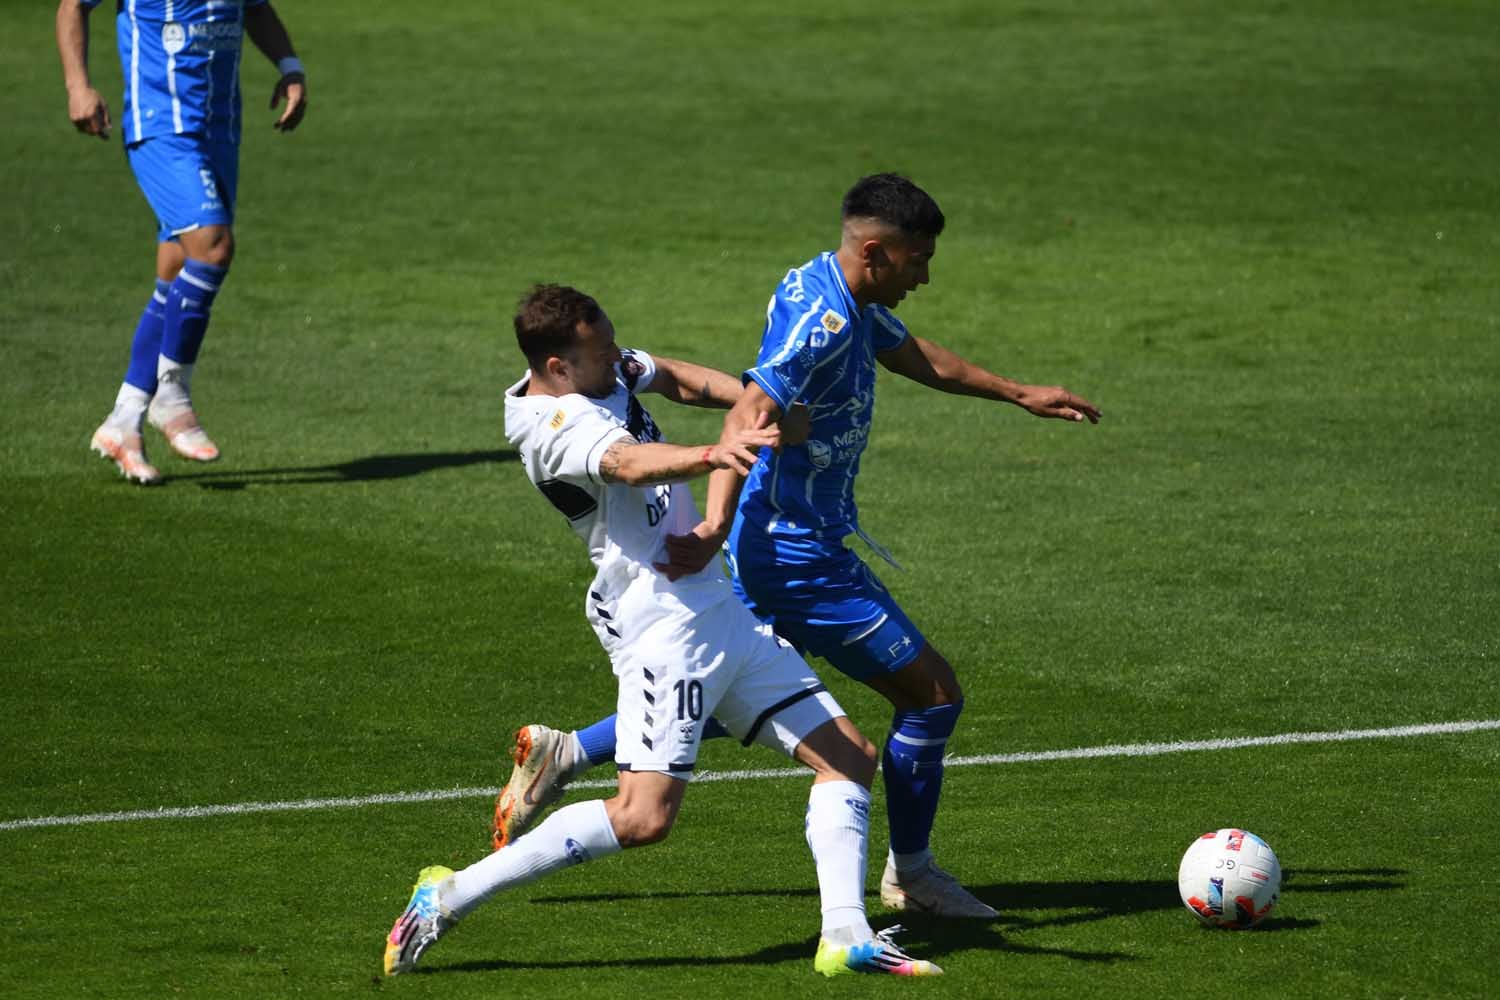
(609, 462)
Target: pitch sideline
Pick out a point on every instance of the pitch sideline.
(1077, 753)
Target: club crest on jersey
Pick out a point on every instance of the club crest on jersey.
(173, 38)
(833, 322)
(557, 420)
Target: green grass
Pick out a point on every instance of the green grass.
(1261, 237)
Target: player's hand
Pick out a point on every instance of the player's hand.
(796, 424)
(88, 111)
(1057, 403)
(739, 448)
(292, 88)
(687, 554)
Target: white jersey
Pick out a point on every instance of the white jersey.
(561, 440)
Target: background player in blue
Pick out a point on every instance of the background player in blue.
(827, 325)
(181, 123)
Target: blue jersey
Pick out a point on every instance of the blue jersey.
(819, 349)
(181, 63)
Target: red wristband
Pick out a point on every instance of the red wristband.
(706, 453)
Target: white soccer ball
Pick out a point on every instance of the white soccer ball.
(1229, 878)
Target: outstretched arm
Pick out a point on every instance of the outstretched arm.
(270, 36)
(939, 368)
(695, 385)
(89, 113)
(628, 461)
(755, 412)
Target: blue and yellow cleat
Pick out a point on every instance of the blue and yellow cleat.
(879, 955)
(420, 925)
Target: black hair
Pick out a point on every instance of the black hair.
(896, 201)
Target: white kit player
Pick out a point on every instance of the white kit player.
(680, 649)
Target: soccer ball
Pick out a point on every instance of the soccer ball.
(1229, 878)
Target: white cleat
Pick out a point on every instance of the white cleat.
(544, 766)
(933, 891)
(126, 450)
(420, 925)
(183, 432)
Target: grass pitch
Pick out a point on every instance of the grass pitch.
(1262, 238)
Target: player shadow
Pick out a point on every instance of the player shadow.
(1023, 906)
(358, 470)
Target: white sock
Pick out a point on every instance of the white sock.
(130, 408)
(579, 761)
(172, 379)
(572, 835)
(838, 832)
(909, 862)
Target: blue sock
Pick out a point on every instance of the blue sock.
(147, 343)
(188, 303)
(912, 767)
(598, 740)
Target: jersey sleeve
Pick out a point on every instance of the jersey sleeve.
(801, 335)
(889, 332)
(574, 439)
(637, 370)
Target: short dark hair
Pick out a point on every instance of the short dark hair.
(896, 201)
(547, 319)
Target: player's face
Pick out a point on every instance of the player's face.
(900, 266)
(591, 363)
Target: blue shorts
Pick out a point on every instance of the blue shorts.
(823, 599)
(188, 180)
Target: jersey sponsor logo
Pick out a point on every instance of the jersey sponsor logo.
(173, 38)
(833, 322)
(215, 36)
(557, 420)
(853, 437)
(658, 503)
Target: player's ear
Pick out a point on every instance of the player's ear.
(872, 252)
(556, 367)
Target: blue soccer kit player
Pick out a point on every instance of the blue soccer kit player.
(827, 326)
(181, 125)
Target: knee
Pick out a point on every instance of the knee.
(638, 824)
(854, 761)
(216, 247)
(839, 752)
(221, 252)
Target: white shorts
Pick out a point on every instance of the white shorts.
(722, 662)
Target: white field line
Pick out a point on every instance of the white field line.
(1077, 753)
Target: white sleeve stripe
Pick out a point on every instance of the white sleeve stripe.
(791, 340)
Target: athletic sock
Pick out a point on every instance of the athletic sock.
(572, 835)
(838, 833)
(912, 768)
(146, 346)
(598, 740)
(130, 409)
(189, 300)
